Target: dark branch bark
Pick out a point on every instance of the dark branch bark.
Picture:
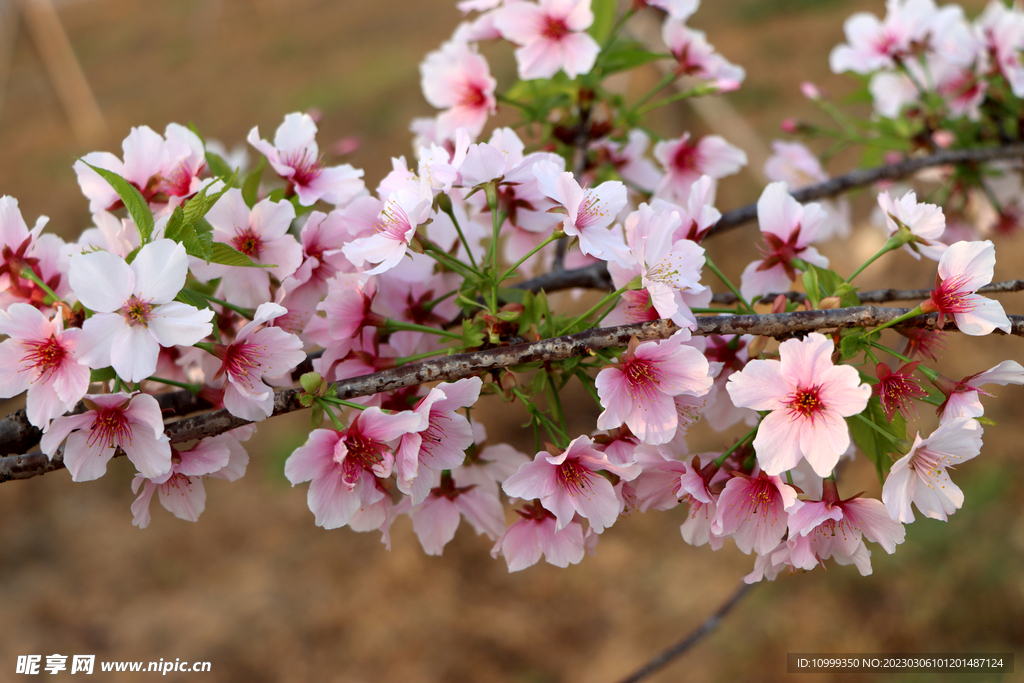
(463, 365)
(680, 648)
(878, 296)
(567, 279)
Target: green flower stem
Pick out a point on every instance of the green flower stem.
(730, 311)
(926, 371)
(429, 306)
(556, 235)
(905, 316)
(194, 388)
(247, 313)
(736, 446)
(661, 85)
(391, 325)
(732, 288)
(342, 402)
(429, 354)
(887, 435)
(330, 413)
(440, 255)
(30, 274)
(554, 431)
(447, 208)
(556, 402)
(205, 346)
(598, 306)
(894, 242)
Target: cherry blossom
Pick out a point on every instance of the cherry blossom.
(873, 44)
(629, 161)
(926, 223)
(344, 466)
(568, 483)
(795, 165)
(963, 268)
(589, 212)
(753, 511)
(396, 226)
(457, 78)
(436, 519)
(788, 228)
(808, 398)
(685, 161)
(130, 422)
(261, 234)
(895, 390)
(920, 476)
(258, 351)
(21, 248)
(638, 390)
(134, 308)
(162, 168)
(962, 398)
(536, 534)
(295, 157)
(552, 37)
(696, 57)
(41, 357)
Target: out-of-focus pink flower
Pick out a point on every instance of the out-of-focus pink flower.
(920, 476)
(808, 398)
(537, 534)
(295, 157)
(42, 358)
(162, 168)
(686, 160)
(963, 269)
(135, 312)
(629, 161)
(696, 57)
(456, 78)
(436, 519)
(552, 37)
(344, 466)
(569, 483)
(754, 511)
(872, 44)
(638, 391)
(795, 165)
(788, 228)
(132, 423)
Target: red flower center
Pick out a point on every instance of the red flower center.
(805, 403)
(248, 242)
(111, 428)
(136, 312)
(44, 356)
(574, 477)
(554, 28)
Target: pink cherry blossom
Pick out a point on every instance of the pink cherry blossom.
(963, 269)
(685, 161)
(695, 490)
(695, 56)
(261, 234)
(442, 444)
(131, 422)
(403, 212)
(733, 354)
(833, 528)
(925, 221)
(436, 519)
(794, 164)
(257, 352)
(1003, 31)
(754, 511)
(639, 390)
(537, 534)
(873, 44)
(552, 37)
(676, 9)
(963, 397)
(21, 248)
(181, 490)
(667, 267)
(134, 308)
(457, 78)
(162, 168)
(295, 157)
(629, 161)
(920, 477)
(344, 466)
(569, 483)
(588, 212)
(808, 398)
(488, 467)
(896, 390)
(788, 228)
(42, 358)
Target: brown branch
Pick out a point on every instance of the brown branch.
(463, 365)
(878, 296)
(680, 648)
(567, 279)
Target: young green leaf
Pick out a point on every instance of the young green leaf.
(133, 200)
(251, 186)
(229, 256)
(878, 436)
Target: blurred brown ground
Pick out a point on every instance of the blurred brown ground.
(263, 594)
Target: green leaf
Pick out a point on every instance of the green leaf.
(102, 375)
(880, 438)
(229, 256)
(199, 205)
(623, 56)
(251, 186)
(472, 333)
(133, 200)
(316, 416)
(851, 344)
(218, 166)
(511, 294)
(311, 382)
(604, 19)
(187, 297)
(811, 286)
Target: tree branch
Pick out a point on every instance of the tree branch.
(878, 296)
(459, 366)
(598, 272)
(680, 648)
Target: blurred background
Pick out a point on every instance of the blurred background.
(264, 595)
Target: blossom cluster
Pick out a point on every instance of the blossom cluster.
(229, 287)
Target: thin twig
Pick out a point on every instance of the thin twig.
(680, 648)
(598, 272)
(878, 296)
(463, 365)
